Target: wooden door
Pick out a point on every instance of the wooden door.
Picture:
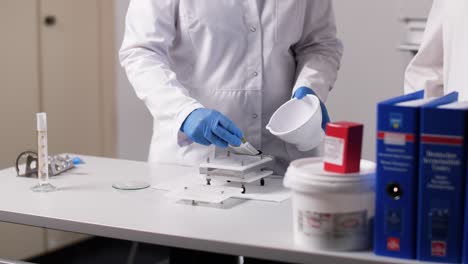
(73, 85)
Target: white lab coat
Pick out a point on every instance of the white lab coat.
(441, 64)
(243, 58)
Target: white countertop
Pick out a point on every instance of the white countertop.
(87, 203)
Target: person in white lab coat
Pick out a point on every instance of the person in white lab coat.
(441, 64)
(239, 60)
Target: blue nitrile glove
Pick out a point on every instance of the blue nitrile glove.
(301, 92)
(77, 161)
(207, 126)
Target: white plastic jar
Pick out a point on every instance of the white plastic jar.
(331, 211)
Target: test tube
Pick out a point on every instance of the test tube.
(42, 156)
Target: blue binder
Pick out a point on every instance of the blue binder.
(397, 171)
(442, 173)
(465, 226)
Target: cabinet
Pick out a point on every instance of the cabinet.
(56, 56)
(413, 15)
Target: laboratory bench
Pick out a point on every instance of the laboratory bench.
(87, 203)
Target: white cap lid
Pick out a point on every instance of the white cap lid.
(307, 175)
(41, 121)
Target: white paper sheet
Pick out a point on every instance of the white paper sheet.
(272, 191)
(205, 193)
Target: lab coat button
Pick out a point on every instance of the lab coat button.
(255, 74)
(254, 116)
(253, 29)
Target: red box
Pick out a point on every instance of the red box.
(343, 147)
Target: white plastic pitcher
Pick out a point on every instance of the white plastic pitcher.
(299, 122)
(331, 211)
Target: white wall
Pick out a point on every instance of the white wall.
(372, 70)
(134, 122)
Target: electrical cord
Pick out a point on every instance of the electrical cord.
(24, 153)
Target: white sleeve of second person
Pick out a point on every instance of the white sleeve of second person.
(426, 69)
(319, 52)
(149, 33)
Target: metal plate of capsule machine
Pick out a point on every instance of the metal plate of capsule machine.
(231, 167)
